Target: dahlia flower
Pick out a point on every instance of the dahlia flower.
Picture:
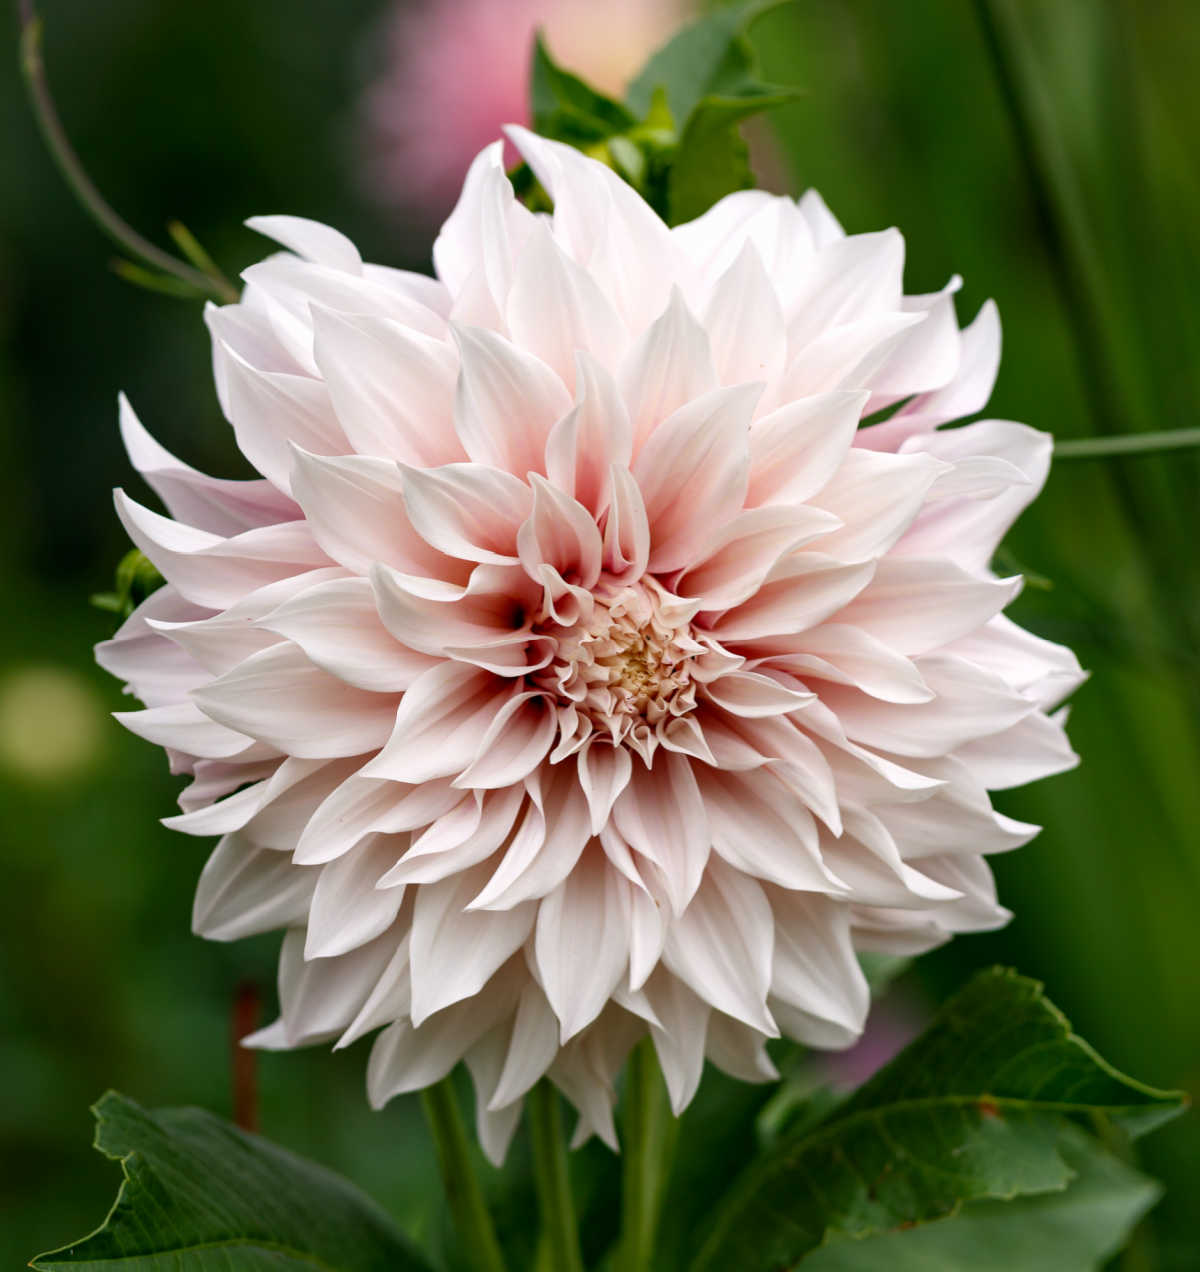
(585, 664)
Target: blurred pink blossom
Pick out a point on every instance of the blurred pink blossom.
(455, 71)
(895, 1020)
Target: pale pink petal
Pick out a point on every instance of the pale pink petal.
(969, 530)
(532, 1048)
(506, 403)
(587, 441)
(604, 225)
(799, 593)
(604, 772)
(927, 357)
(455, 950)
(469, 511)
(244, 890)
(627, 528)
(738, 558)
(364, 805)
(825, 227)
(681, 1023)
(1031, 749)
(849, 656)
(279, 696)
(441, 718)
(796, 449)
(581, 942)
(722, 944)
(348, 909)
(310, 239)
(877, 498)
(470, 833)
(968, 392)
(209, 503)
(562, 533)
(337, 625)
(392, 388)
(184, 727)
(215, 572)
(558, 843)
(851, 278)
(271, 411)
(692, 473)
(745, 324)
(668, 366)
(749, 814)
(515, 743)
(968, 703)
(916, 604)
(356, 508)
(556, 310)
(751, 695)
(815, 971)
(661, 815)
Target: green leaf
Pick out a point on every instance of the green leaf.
(1076, 1230)
(712, 160)
(136, 578)
(972, 1110)
(201, 1195)
(713, 57)
(567, 109)
(709, 81)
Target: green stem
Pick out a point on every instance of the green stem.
(648, 1139)
(206, 283)
(1127, 444)
(560, 1233)
(465, 1198)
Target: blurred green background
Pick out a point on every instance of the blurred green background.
(219, 111)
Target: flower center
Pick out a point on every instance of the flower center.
(629, 664)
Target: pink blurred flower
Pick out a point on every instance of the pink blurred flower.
(895, 1020)
(456, 71)
(580, 668)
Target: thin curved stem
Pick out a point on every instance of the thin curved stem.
(648, 1139)
(205, 282)
(1126, 444)
(463, 1194)
(560, 1232)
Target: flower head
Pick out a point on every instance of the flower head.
(581, 667)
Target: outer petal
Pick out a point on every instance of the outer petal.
(283, 699)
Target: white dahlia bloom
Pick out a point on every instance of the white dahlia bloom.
(580, 667)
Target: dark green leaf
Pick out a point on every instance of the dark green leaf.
(1076, 1230)
(199, 1195)
(712, 160)
(567, 109)
(136, 578)
(711, 57)
(972, 1110)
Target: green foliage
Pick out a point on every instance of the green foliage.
(199, 1194)
(972, 1110)
(566, 108)
(136, 578)
(1075, 1230)
(974, 1125)
(676, 139)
